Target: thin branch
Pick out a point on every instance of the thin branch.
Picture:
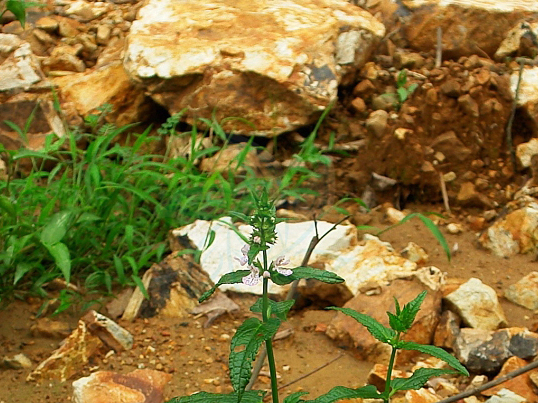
(439, 48)
(444, 192)
(489, 385)
(509, 141)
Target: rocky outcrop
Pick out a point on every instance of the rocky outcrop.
(277, 64)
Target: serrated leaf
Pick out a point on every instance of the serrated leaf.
(435, 352)
(56, 228)
(418, 379)
(341, 392)
(295, 397)
(410, 310)
(229, 278)
(279, 309)
(244, 347)
(376, 329)
(60, 253)
(308, 273)
(395, 323)
(251, 396)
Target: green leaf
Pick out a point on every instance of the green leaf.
(88, 217)
(396, 324)
(402, 94)
(21, 270)
(306, 272)
(17, 7)
(341, 392)
(229, 278)
(418, 379)
(437, 353)
(295, 397)
(410, 310)
(251, 396)
(32, 154)
(376, 329)
(244, 347)
(280, 309)
(138, 281)
(436, 233)
(56, 228)
(7, 206)
(60, 253)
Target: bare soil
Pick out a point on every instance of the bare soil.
(197, 356)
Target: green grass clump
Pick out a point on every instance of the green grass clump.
(93, 211)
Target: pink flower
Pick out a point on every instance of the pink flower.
(243, 260)
(253, 278)
(282, 261)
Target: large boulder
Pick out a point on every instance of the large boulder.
(276, 63)
(468, 27)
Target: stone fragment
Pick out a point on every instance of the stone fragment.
(81, 94)
(377, 123)
(454, 228)
(138, 386)
(278, 65)
(469, 196)
(421, 395)
(363, 345)
(110, 333)
(447, 330)
(478, 305)
(443, 387)
(19, 67)
(19, 361)
(86, 11)
(525, 151)
(364, 88)
(393, 215)
(104, 32)
(506, 396)
(219, 304)
(512, 43)
(525, 291)
(174, 286)
(409, 60)
(52, 329)
(451, 146)
(64, 58)
(378, 375)
(469, 105)
(385, 101)
(520, 385)
(70, 358)
(483, 351)
(514, 233)
(48, 24)
(466, 26)
(359, 105)
(414, 253)
(401, 133)
(451, 88)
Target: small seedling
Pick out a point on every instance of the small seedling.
(403, 90)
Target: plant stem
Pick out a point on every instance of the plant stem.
(386, 392)
(269, 342)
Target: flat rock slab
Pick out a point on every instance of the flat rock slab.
(477, 304)
(359, 263)
(276, 63)
(138, 386)
(70, 358)
(364, 346)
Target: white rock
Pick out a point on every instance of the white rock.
(454, 229)
(478, 305)
(370, 261)
(525, 151)
(394, 216)
(525, 291)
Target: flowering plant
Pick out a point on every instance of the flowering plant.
(254, 332)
